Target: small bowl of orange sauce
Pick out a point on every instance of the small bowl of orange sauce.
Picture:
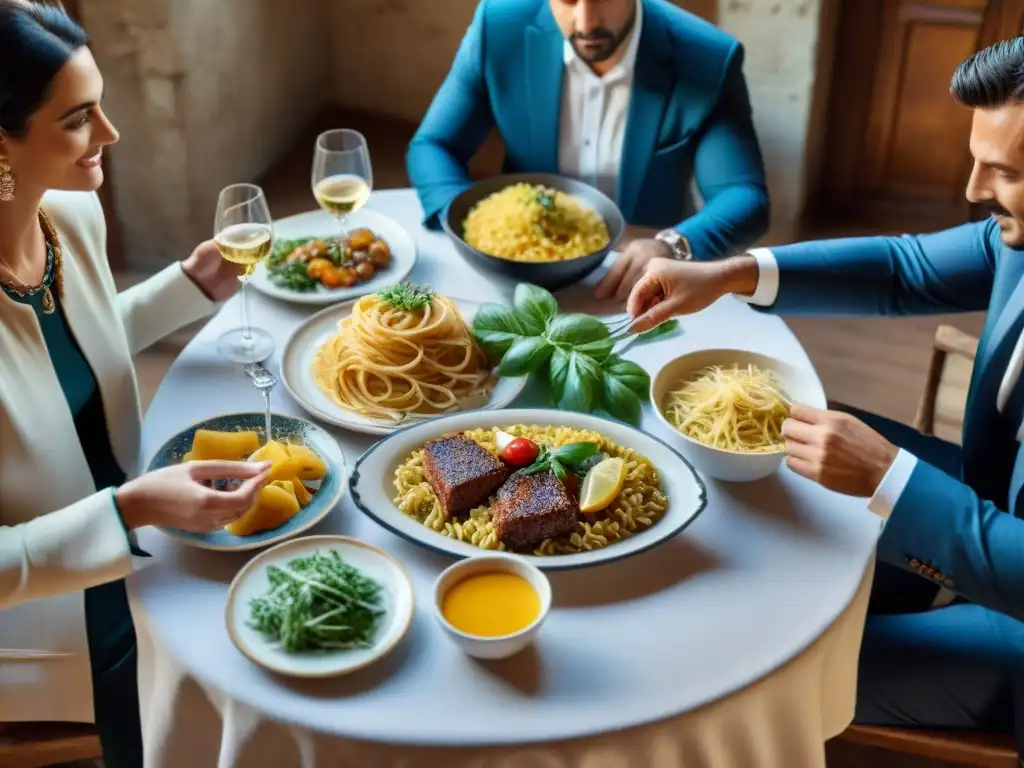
(493, 605)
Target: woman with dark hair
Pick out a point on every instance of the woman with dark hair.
(69, 404)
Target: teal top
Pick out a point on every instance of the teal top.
(108, 620)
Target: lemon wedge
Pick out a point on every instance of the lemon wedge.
(602, 484)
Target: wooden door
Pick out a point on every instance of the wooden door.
(896, 153)
(115, 248)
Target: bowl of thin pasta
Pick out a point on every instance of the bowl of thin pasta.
(725, 409)
(537, 228)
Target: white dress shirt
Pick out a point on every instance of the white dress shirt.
(895, 480)
(595, 109)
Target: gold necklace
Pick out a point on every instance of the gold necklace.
(54, 269)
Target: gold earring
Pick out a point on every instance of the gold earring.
(7, 184)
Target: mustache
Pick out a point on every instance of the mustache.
(595, 34)
(995, 209)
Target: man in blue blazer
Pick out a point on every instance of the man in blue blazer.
(636, 97)
(944, 641)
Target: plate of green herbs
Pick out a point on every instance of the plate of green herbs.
(290, 281)
(319, 606)
(301, 347)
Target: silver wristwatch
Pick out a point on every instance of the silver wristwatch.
(678, 243)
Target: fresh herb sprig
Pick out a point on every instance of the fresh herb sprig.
(407, 297)
(318, 603)
(571, 457)
(578, 354)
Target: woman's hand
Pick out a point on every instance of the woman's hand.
(176, 497)
(669, 288)
(213, 275)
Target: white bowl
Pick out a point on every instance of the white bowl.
(801, 385)
(500, 647)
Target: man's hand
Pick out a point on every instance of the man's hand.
(836, 450)
(630, 267)
(669, 288)
(212, 274)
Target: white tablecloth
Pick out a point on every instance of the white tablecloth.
(733, 645)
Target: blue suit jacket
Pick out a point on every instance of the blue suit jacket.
(971, 530)
(689, 117)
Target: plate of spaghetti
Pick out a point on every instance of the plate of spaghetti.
(389, 359)
(562, 490)
(725, 408)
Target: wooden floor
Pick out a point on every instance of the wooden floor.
(876, 364)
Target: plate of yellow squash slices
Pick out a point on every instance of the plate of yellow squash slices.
(308, 476)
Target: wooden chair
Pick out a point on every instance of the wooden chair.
(941, 413)
(941, 410)
(34, 745)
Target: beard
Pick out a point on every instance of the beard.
(601, 43)
(1011, 228)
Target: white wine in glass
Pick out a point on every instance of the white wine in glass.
(342, 174)
(244, 234)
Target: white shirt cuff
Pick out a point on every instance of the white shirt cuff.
(893, 484)
(767, 278)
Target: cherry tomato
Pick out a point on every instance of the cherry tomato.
(520, 452)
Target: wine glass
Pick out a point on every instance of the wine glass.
(244, 233)
(342, 175)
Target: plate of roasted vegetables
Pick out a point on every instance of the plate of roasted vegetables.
(307, 478)
(314, 261)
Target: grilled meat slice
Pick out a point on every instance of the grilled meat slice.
(462, 473)
(531, 508)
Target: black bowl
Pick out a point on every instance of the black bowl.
(548, 274)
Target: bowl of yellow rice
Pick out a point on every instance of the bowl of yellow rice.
(537, 228)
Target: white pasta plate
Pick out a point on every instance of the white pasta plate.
(372, 483)
(322, 224)
(396, 599)
(300, 350)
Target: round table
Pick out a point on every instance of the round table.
(772, 572)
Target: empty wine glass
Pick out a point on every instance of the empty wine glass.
(244, 234)
(342, 174)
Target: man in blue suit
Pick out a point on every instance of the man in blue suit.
(636, 97)
(944, 641)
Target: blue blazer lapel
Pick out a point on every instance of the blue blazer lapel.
(544, 68)
(652, 85)
(1005, 308)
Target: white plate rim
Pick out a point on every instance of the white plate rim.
(319, 298)
(289, 349)
(450, 548)
(282, 538)
(328, 539)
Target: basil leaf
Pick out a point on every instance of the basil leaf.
(558, 470)
(534, 306)
(525, 356)
(630, 374)
(598, 350)
(558, 370)
(582, 384)
(665, 329)
(620, 401)
(496, 328)
(576, 329)
(574, 453)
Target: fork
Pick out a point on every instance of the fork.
(264, 381)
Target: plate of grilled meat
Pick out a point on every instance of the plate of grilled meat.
(562, 490)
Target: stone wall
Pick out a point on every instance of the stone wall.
(209, 92)
(205, 93)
